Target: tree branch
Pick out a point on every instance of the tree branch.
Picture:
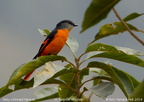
(128, 29)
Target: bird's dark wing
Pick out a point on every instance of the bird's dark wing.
(48, 39)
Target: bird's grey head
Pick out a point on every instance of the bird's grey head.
(65, 24)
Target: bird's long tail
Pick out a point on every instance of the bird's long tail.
(28, 75)
(26, 78)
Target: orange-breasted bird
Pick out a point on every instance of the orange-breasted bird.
(55, 41)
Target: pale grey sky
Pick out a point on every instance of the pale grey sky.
(20, 40)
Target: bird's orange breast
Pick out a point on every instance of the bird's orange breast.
(57, 43)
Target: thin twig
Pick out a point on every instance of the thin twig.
(128, 29)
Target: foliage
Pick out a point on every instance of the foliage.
(97, 11)
(70, 78)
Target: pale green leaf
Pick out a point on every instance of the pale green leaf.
(72, 44)
(45, 92)
(52, 96)
(103, 89)
(130, 51)
(47, 72)
(44, 32)
(90, 54)
(98, 71)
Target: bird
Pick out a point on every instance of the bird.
(54, 42)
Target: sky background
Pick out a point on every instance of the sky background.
(20, 39)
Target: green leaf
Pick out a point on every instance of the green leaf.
(131, 59)
(23, 69)
(47, 31)
(132, 16)
(66, 75)
(44, 32)
(126, 82)
(138, 93)
(103, 89)
(72, 44)
(101, 47)
(83, 73)
(66, 70)
(11, 88)
(5, 90)
(32, 65)
(98, 71)
(107, 51)
(16, 70)
(97, 11)
(67, 91)
(28, 84)
(113, 29)
(64, 91)
(101, 73)
(98, 48)
(52, 81)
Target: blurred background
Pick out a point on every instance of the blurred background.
(20, 39)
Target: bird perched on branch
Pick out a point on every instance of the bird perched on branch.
(55, 41)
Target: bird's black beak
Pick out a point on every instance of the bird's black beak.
(75, 25)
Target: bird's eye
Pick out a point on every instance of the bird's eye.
(69, 22)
